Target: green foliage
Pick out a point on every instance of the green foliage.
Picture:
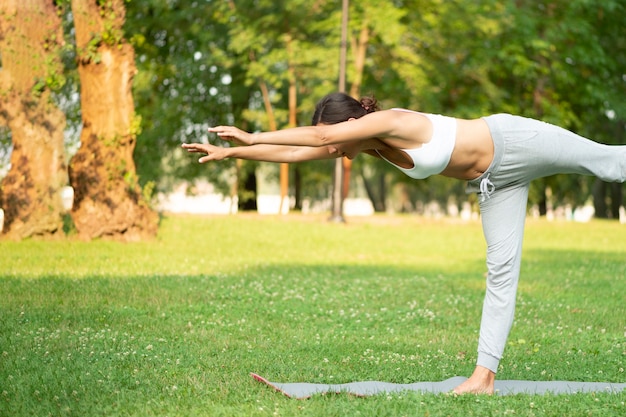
(201, 64)
(5, 149)
(69, 228)
(90, 52)
(54, 82)
(135, 126)
(175, 326)
(147, 191)
(111, 35)
(174, 86)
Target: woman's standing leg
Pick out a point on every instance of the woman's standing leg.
(503, 218)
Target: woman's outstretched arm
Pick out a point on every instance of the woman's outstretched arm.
(388, 124)
(267, 153)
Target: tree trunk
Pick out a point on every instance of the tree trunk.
(377, 201)
(616, 199)
(108, 200)
(30, 40)
(360, 48)
(599, 199)
(607, 199)
(297, 188)
(382, 185)
(247, 194)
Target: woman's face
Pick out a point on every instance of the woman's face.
(350, 150)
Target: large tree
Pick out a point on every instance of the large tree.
(108, 200)
(31, 37)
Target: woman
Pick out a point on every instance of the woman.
(498, 155)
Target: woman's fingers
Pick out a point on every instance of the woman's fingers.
(221, 131)
(231, 133)
(194, 147)
(213, 153)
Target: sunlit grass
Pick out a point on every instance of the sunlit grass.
(174, 326)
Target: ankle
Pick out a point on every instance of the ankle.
(483, 374)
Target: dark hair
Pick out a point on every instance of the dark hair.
(339, 107)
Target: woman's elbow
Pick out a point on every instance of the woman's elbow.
(322, 137)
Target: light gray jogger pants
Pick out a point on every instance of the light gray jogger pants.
(524, 149)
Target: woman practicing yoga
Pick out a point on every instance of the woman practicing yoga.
(497, 155)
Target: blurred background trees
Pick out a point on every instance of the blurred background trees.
(263, 64)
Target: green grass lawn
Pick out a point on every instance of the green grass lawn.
(173, 327)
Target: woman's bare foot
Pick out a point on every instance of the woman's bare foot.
(481, 382)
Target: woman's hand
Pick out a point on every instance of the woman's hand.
(232, 134)
(213, 153)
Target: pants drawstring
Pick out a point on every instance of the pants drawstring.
(486, 188)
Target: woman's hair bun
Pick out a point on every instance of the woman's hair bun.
(370, 104)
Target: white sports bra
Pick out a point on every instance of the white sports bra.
(433, 156)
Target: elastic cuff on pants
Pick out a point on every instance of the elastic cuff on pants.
(487, 361)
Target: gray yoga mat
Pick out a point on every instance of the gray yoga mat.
(302, 390)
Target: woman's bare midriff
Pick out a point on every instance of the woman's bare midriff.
(473, 151)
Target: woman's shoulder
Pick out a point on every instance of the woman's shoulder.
(396, 112)
(405, 110)
(397, 128)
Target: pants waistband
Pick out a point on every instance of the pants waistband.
(494, 122)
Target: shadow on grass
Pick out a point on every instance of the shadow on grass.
(595, 274)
